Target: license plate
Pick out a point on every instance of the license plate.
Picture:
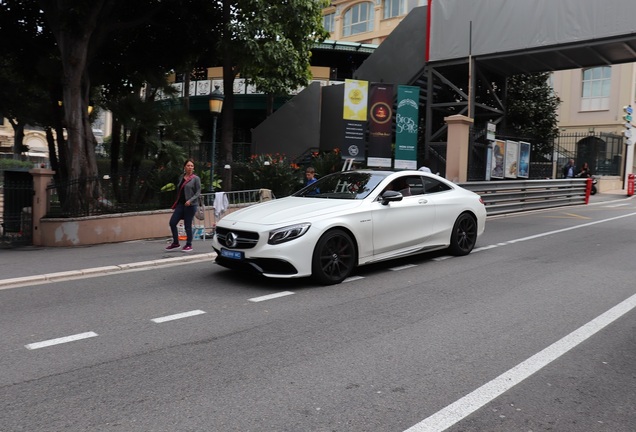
(236, 255)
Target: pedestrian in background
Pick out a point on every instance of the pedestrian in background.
(570, 170)
(585, 171)
(185, 206)
(310, 176)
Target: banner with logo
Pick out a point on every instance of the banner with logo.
(355, 118)
(511, 159)
(406, 126)
(380, 120)
(524, 159)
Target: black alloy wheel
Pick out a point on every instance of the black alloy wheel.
(464, 235)
(334, 257)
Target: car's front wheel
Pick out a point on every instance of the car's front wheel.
(334, 257)
(464, 235)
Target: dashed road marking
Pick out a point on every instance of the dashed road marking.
(61, 340)
(271, 296)
(177, 316)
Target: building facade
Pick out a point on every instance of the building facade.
(366, 21)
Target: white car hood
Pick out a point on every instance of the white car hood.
(288, 210)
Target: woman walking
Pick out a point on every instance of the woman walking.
(185, 207)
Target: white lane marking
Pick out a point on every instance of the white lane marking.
(617, 205)
(549, 233)
(177, 316)
(61, 340)
(270, 296)
(470, 403)
(402, 267)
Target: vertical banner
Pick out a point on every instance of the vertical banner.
(498, 151)
(355, 118)
(380, 121)
(524, 159)
(406, 127)
(511, 160)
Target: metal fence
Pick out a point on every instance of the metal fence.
(16, 200)
(603, 152)
(69, 198)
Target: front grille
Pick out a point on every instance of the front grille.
(245, 239)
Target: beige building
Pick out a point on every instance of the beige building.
(594, 101)
(366, 21)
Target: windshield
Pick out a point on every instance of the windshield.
(343, 185)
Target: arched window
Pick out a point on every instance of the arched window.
(328, 22)
(595, 92)
(358, 19)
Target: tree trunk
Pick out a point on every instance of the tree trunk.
(227, 117)
(78, 156)
(18, 138)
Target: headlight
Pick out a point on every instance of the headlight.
(282, 235)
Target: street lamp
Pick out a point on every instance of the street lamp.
(216, 105)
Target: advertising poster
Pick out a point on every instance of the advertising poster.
(355, 118)
(380, 121)
(498, 152)
(524, 159)
(406, 121)
(511, 161)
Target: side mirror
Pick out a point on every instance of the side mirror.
(390, 196)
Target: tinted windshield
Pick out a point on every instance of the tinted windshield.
(342, 185)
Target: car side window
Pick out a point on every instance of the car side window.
(432, 185)
(416, 187)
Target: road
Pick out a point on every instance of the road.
(534, 331)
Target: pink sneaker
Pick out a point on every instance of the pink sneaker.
(173, 246)
(186, 248)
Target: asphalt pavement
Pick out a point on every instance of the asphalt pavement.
(33, 264)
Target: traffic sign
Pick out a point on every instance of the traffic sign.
(628, 109)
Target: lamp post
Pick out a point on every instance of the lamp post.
(216, 105)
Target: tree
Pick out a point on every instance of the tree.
(110, 45)
(269, 43)
(532, 109)
(24, 93)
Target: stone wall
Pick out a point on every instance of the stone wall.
(112, 228)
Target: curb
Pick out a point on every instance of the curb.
(99, 271)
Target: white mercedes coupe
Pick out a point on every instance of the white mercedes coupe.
(349, 219)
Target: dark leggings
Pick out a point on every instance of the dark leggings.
(186, 213)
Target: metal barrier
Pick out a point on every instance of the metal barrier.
(510, 196)
(235, 199)
(500, 197)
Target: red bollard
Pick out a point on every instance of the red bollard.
(588, 190)
(630, 184)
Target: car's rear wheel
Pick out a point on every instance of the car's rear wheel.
(464, 235)
(334, 257)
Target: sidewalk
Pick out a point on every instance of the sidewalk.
(34, 263)
(45, 263)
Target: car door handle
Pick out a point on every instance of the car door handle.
(422, 201)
